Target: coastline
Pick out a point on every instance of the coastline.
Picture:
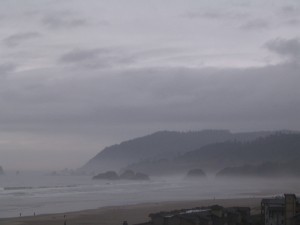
(137, 213)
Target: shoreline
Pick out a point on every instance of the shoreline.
(135, 213)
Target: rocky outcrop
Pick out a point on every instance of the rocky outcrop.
(195, 173)
(127, 175)
(141, 176)
(109, 175)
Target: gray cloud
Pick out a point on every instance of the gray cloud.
(208, 15)
(293, 22)
(16, 39)
(76, 56)
(96, 58)
(285, 47)
(290, 14)
(61, 20)
(6, 68)
(256, 24)
(149, 96)
(214, 15)
(105, 106)
(290, 10)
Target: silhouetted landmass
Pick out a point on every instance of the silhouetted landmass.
(127, 175)
(279, 147)
(268, 169)
(195, 173)
(1, 170)
(109, 175)
(160, 146)
(130, 175)
(141, 176)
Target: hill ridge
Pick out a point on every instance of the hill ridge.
(160, 145)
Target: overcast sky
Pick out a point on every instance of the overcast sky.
(79, 75)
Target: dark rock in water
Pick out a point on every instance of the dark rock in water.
(1, 170)
(195, 173)
(141, 176)
(128, 175)
(109, 175)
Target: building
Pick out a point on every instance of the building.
(214, 215)
(283, 210)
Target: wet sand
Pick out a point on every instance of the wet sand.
(134, 214)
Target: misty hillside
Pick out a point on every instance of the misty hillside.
(160, 146)
(279, 147)
(268, 169)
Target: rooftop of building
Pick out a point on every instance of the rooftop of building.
(278, 201)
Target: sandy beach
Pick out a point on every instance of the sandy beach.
(134, 214)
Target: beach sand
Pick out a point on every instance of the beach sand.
(134, 214)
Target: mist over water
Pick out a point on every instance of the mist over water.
(30, 193)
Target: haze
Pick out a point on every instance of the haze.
(76, 76)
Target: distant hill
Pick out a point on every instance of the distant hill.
(160, 146)
(279, 147)
(268, 169)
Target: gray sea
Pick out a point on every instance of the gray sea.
(34, 192)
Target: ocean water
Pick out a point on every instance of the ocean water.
(30, 193)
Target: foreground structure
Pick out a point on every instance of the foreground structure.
(214, 215)
(283, 210)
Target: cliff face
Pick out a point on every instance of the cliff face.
(163, 145)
